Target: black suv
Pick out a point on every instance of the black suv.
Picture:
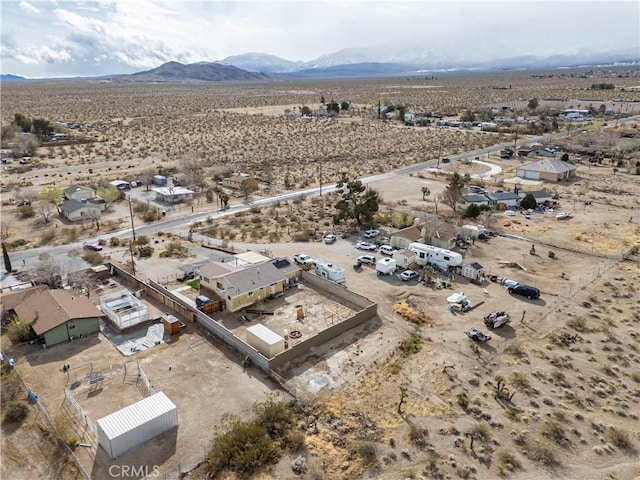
(525, 290)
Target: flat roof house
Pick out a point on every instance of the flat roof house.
(549, 169)
(57, 316)
(474, 198)
(173, 194)
(242, 285)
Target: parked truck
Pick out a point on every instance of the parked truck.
(330, 271)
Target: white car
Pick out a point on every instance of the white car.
(371, 233)
(387, 249)
(366, 246)
(368, 259)
(408, 275)
(510, 213)
(330, 239)
(303, 259)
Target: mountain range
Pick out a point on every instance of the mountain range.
(353, 63)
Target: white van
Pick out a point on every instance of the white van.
(387, 250)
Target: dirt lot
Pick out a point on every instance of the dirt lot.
(198, 375)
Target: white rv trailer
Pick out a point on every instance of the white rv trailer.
(428, 254)
(330, 271)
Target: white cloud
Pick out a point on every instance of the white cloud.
(29, 8)
(129, 35)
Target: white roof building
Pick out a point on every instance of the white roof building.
(137, 423)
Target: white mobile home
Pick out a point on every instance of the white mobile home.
(330, 271)
(428, 254)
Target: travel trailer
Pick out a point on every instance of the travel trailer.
(330, 271)
(441, 257)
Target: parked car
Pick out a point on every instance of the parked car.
(368, 259)
(366, 246)
(330, 239)
(445, 160)
(92, 246)
(408, 275)
(371, 233)
(477, 336)
(303, 259)
(387, 250)
(524, 290)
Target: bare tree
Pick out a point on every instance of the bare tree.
(193, 169)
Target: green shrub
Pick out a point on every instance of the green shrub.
(150, 215)
(26, 211)
(16, 412)
(472, 211)
(411, 345)
(295, 441)
(19, 331)
(243, 449)
(142, 240)
(145, 251)
(274, 416)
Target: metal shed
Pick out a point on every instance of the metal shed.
(131, 426)
(266, 341)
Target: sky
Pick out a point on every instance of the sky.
(54, 38)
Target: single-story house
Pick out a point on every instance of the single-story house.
(75, 210)
(543, 152)
(540, 195)
(173, 194)
(508, 199)
(234, 181)
(79, 192)
(474, 198)
(57, 316)
(405, 237)
(550, 169)
(244, 285)
(438, 233)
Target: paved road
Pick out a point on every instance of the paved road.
(27, 258)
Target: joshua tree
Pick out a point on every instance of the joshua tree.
(403, 398)
(425, 193)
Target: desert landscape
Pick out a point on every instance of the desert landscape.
(555, 394)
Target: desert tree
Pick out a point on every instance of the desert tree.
(41, 127)
(304, 110)
(94, 217)
(109, 194)
(49, 200)
(472, 211)
(47, 271)
(192, 169)
(529, 202)
(224, 200)
(146, 177)
(357, 201)
(468, 116)
(22, 122)
(453, 191)
(7, 261)
(425, 193)
(344, 105)
(248, 186)
(533, 104)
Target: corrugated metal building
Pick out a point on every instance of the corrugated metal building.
(131, 426)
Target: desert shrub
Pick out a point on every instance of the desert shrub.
(367, 451)
(19, 331)
(243, 449)
(521, 382)
(20, 242)
(115, 242)
(16, 412)
(554, 431)
(618, 437)
(543, 455)
(462, 400)
(142, 240)
(295, 441)
(175, 249)
(145, 251)
(418, 436)
(150, 215)
(303, 236)
(26, 211)
(402, 220)
(508, 461)
(94, 258)
(274, 416)
(47, 235)
(411, 345)
(70, 234)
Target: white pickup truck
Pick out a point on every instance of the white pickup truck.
(303, 259)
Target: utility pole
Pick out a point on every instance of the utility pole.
(133, 234)
(320, 174)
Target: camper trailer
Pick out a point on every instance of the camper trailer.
(330, 271)
(386, 266)
(440, 257)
